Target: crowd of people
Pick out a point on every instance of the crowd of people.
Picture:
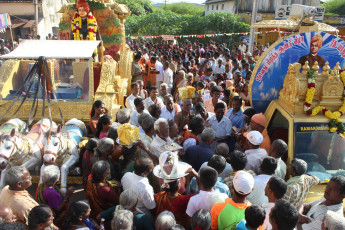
(236, 177)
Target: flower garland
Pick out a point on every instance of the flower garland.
(335, 124)
(91, 26)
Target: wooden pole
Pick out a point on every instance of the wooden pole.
(12, 38)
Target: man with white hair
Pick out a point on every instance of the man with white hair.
(162, 138)
(15, 195)
(299, 184)
(123, 116)
(196, 155)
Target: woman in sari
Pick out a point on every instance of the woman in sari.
(49, 193)
(172, 201)
(101, 193)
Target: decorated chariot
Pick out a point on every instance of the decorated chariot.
(298, 84)
(53, 81)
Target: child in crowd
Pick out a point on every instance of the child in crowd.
(255, 216)
(103, 126)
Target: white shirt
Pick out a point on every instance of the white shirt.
(222, 128)
(148, 101)
(134, 117)
(242, 48)
(317, 213)
(207, 96)
(156, 145)
(146, 56)
(168, 77)
(257, 196)
(159, 67)
(219, 69)
(205, 200)
(170, 115)
(281, 168)
(254, 159)
(140, 186)
(228, 169)
(130, 102)
(267, 206)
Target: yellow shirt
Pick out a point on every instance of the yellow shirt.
(20, 202)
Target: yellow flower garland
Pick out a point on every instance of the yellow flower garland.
(91, 26)
(335, 123)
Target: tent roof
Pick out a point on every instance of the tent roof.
(59, 49)
(291, 24)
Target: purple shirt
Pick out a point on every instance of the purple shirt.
(52, 197)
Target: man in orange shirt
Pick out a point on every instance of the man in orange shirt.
(151, 72)
(227, 214)
(258, 123)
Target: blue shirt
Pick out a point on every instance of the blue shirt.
(196, 155)
(223, 188)
(237, 119)
(242, 225)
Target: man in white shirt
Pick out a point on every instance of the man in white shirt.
(207, 197)
(153, 98)
(146, 56)
(130, 98)
(242, 47)
(159, 76)
(139, 184)
(255, 154)
(139, 109)
(168, 76)
(267, 168)
(220, 124)
(312, 214)
(220, 68)
(170, 108)
(274, 190)
(277, 150)
(162, 138)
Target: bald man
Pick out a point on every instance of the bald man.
(6, 215)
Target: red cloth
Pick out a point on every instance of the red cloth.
(176, 205)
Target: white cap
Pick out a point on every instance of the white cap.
(243, 182)
(254, 137)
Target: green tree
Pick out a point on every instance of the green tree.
(335, 7)
(185, 8)
(138, 7)
(166, 22)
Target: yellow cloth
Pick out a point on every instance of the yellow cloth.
(128, 134)
(187, 92)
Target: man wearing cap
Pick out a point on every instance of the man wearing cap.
(228, 214)
(258, 123)
(255, 154)
(299, 184)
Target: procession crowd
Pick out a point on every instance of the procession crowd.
(195, 98)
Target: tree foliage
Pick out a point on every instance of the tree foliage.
(137, 7)
(166, 22)
(335, 7)
(183, 8)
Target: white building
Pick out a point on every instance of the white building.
(220, 6)
(240, 6)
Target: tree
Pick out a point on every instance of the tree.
(335, 7)
(185, 8)
(138, 7)
(166, 22)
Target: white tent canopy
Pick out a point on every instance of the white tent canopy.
(59, 49)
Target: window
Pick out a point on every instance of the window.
(222, 6)
(212, 7)
(217, 7)
(208, 7)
